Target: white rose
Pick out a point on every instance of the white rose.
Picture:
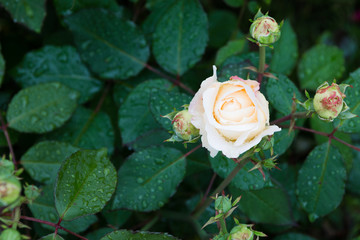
(232, 116)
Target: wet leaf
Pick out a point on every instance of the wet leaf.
(57, 64)
(31, 13)
(321, 181)
(86, 181)
(148, 178)
(180, 36)
(43, 160)
(41, 108)
(113, 47)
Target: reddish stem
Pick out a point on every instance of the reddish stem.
(57, 226)
(6, 133)
(191, 151)
(208, 189)
(102, 99)
(53, 225)
(174, 81)
(329, 135)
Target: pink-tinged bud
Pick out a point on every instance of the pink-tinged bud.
(328, 101)
(241, 232)
(265, 30)
(182, 126)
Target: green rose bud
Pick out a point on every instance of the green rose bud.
(328, 101)
(10, 189)
(223, 204)
(10, 234)
(6, 168)
(31, 192)
(241, 232)
(265, 30)
(183, 127)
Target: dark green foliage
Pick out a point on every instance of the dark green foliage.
(83, 88)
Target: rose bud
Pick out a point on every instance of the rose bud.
(6, 168)
(182, 126)
(265, 30)
(31, 192)
(328, 101)
(232, 116)
(183, 130)
(223, 204)
(10, 189)
(241, 232)
(10, 234)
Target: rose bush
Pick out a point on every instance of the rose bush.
(232, 116)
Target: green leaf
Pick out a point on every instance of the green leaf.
(180, 36)
(285, 51)
(86, 181)
(41, 108)
(293, 236)
(163, 102)
(319, 64)
(125, 235)
(2, 67)
(353, 101)
(353, 183)
(280, 93)
(322, 126)
(282, 142)
(43, 160)
(86, 130)
(157, 12)
(44, 208)
(244, 180)
(52, 237)
(148, 178)
(57, 64)
(267, 205)
(31, 13)
(218, 34)
(230, 49)
(115, 218)
(321, 181)
(234, 3)
(68, 7)
(99, 233)
(286, 179)
(113, 47)
(135, 116)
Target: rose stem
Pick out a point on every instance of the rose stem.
(53, 225)
(223, 226)
(261, 63)
(329, 135)
(209, 188)
(174, 81)
(291, 116)
(6, 133)
(242, 161)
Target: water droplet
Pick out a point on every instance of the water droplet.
(106, 171)
(24, 101)
(34, 119)
(139, 180)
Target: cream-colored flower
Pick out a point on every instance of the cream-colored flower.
(232, 116)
